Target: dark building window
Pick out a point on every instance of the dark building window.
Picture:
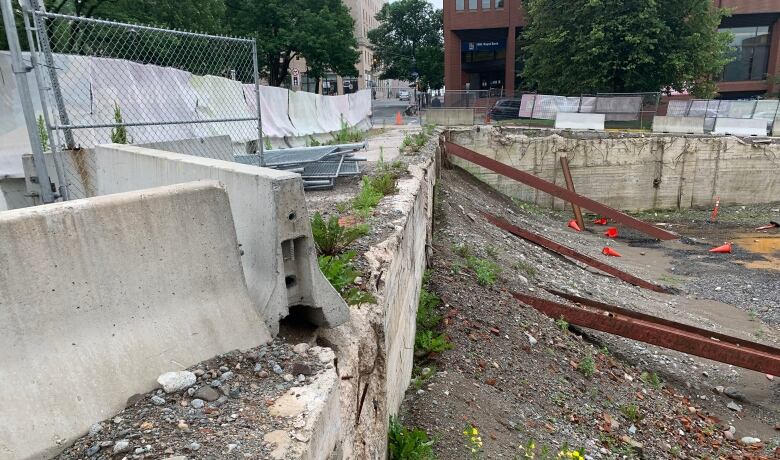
(486, 4)
(499, 3)
(460, 4)
(472, 4)
(750, 52)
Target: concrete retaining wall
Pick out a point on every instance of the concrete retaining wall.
(375, 348)
(631, 172)
(449, 116)
(271, 222)
(77, 339)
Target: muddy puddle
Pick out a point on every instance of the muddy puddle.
(767, 246)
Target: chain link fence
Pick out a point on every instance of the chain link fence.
(712, 109)
(105, 81)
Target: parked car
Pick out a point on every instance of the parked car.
(404, 95)
(505, 109)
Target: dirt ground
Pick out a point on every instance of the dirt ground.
(519, 376)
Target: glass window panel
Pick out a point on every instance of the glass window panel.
(486, 4)
(750, 53)
(472, 4)
(499, 3)
(459, 5)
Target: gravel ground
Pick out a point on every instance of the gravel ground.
(517, 376)
(224, 414)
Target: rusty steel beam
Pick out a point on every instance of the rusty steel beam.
(556, 191)
(568, 252)
(570, 186)
(663, 333)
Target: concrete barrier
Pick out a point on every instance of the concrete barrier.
(678, 125)
(114, 291)
(271, 220)
(740, 127)
(449, 116)
(776, 128)
(588, 121)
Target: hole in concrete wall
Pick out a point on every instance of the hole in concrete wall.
(290, 281)
(296, 327)
(292, 216)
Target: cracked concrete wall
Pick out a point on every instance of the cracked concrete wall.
(375, 349)
(113, 293)
(630, 172)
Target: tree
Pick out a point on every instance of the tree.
(409, 39)
(321, 31)
(572, 47)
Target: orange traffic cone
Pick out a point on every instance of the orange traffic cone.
(399, 120)
(600, 221)
(611, 232)
(608, 251)
(573, 224)
(725, 249)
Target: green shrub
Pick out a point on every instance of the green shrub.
(406, 444)
(119, 133)
(43, 134)
(430, 342)
(331, 238)
(652, 379)
(631, 411)
(562, 324)
(268, 145)
(341, 272)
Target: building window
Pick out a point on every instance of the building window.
(460, 4)
(499, 3)
(750, 49)
(486, 4)
(472, 4)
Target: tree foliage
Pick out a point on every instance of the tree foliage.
(574, 46)
(321, 31)
(409, 39)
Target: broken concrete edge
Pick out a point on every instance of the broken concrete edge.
(271, 223)
(55, 320)
(375, 347)
(315, 411)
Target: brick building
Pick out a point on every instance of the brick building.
(480, 49)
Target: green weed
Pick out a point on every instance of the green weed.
(406, 444)
(427, 318)
(340, 271)
(331, 238)
(524, 266)
(430, 342)
(587, 366)
(486, 271)
(347, 135)
(267, 143)
(491, 251)
(463, 250)
(652, 379)
(368, 197)
(421, 374)
(631, 412)
(562, 324)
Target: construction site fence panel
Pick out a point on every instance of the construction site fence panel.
(712, 109)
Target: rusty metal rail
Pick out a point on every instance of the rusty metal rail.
(556, 191)
(656, 331)
(570, 187)
(568, 252)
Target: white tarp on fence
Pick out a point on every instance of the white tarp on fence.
(712, 109)
(148, 93)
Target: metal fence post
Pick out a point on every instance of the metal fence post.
(43, 37)
(260, 139)
(55, 150)
(20, 71)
